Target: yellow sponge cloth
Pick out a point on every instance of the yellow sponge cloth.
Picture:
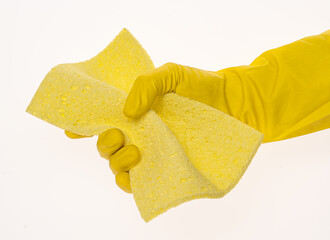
(189, 150)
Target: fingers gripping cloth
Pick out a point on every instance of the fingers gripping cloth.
(189, 150)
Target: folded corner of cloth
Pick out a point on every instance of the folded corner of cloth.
(189, 150)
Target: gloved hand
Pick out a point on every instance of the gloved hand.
(283, 93)
(121, 158)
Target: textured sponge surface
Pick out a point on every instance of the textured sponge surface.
(189, 150)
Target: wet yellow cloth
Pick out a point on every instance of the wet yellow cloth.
(189, 150)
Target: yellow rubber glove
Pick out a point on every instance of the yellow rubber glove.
(121, 158)
(283, 93)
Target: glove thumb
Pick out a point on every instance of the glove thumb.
(147, 87)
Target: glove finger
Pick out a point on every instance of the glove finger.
(148, 86)
(124, 159)
(123, 182)
(74, 136)
(109, 142)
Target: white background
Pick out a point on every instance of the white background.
(52, 187)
